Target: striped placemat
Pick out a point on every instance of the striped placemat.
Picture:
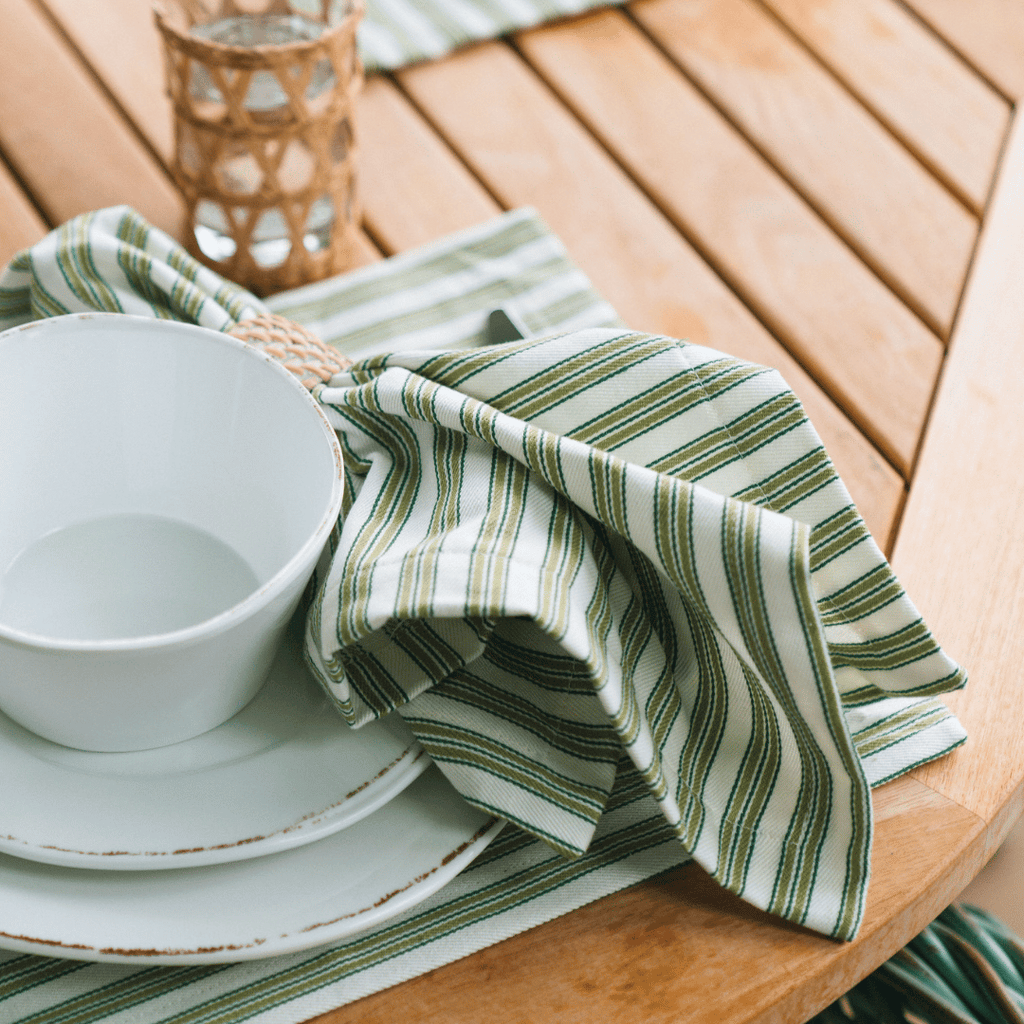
(398, 32)
(438, 298)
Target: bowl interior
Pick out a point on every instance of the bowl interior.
(155, 475)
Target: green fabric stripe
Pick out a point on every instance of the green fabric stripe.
(473, 749)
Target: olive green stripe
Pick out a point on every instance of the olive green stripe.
(370, 678)
(431, 270)
(817, 834)
(450, 476)
(897, 733)
(707, 728)
(599, 618)
(418, 639)
(667, 399)
(740, 547)
(468, 747)
(643, 413)
(898, 718)
(878, 660)
(558, 381)
(391, 509)
(581, 740)
(421, 929)
(863, 598)
(752, 787)
(28, 972)
(67, 263)
(732, 443)
(793, 483)
(852, 907)
(563, 559)
(120, 996)
(835, 540)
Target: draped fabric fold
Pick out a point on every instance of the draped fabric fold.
(602, 540)
(587, 556)
(112, 261)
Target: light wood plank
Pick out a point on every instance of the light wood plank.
(136, 83)
(989, 33)
(680, 950)
(960, 550)
(867, 349)
(65, 140)
(937, 105)
(909, 229)
(529, 151)
(20, 223)
(414, 188)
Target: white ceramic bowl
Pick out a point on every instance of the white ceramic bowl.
(165, 492)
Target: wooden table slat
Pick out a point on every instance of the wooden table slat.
(867, 350)
(138, 82)
(630, 252)
(906, 225)
(20, 223)
(932, 101)
(960, 550)
(414, 188)
(64, 138)
(988, 33)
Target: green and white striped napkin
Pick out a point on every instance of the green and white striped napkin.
(398, 32)
(610, 579)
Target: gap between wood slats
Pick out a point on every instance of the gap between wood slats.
(988, 35)
(911, 81)
(960, 550)
(872, 354)
(21, 224)
(115, 100)
(899, 220)
(632, 254)
(1002, 155)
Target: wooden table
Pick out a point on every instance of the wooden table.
(833, 187)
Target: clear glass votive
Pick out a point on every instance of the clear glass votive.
(264, 105)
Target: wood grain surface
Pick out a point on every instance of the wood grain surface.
(909, 79)
(960, 551)
(63, 136)
(988, 33)
(872, 192)
(874, 356)
(20, 222)
(796, 182)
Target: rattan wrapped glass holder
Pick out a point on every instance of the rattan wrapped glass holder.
(265, 135)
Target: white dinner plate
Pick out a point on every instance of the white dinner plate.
(315, 894)
(285, 771)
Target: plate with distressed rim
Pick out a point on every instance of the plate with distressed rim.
(285, 771)
(309, 896)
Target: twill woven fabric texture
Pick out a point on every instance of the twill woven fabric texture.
(603, 541)
(610, 579)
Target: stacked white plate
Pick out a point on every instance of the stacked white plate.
(280, 830)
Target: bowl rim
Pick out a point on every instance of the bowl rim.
(253, 602)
